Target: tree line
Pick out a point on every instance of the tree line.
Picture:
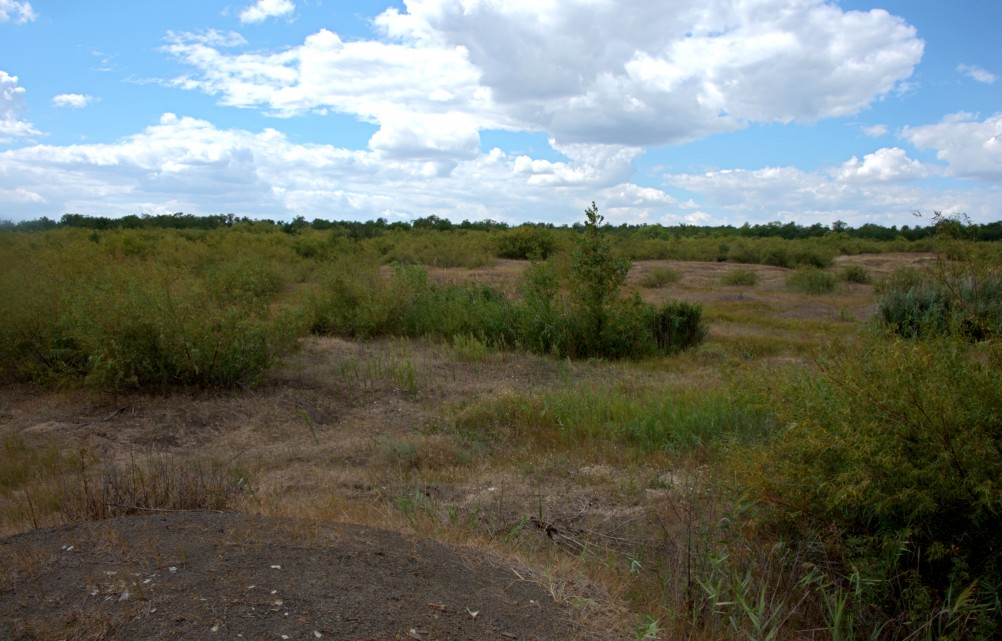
(379, 226)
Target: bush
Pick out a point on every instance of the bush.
(80, 315)
(893, 457)
(678, 326)
(740, 277)
(660, 276)
(594, 322)
(811, 280)
(855, 274)
(934, 308)
(525, 243)
(596, 276)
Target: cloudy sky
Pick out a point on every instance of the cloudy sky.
(667, 111)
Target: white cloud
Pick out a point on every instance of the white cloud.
(75, 100)
(21, 12)
(977, 73)
(883, 165)
(187, 164)
(609, 73)
(264, 9)
(882, 188)
(875, 131)
(971, 148)
(20, 195)
(11, 106)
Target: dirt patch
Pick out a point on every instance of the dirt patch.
(217, 575)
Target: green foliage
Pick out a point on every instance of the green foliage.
(855, 274)
(811, 280)
(165, 314)
(646, 419)
(660, 276)
(526, 242)
(542, 319)
(457, 248)
(960, 294)
(678, 326)
(740, 277)
(894, 456)
(596, 276)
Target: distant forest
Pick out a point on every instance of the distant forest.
(378, 227)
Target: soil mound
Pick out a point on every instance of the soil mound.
(210, 575)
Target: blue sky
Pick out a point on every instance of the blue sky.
(696, 111)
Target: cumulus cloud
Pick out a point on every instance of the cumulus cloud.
(883, 165)
(19, 12)
(11, 106)
(264, 9)
(791, 194)
(188, 164)
(971, 148)
(977, 73)
(609, 73)
(75, 100)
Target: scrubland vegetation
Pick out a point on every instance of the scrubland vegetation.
(833, 475)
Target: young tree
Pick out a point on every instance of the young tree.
(597, 275)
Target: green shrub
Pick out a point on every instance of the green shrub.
(892, 457)
(678, 326)
(542, 319)
(901, 279)
(659, 277)
(928, 308)
(525, 243)
(594, 321)
(80, 310)
(811, 280)
(855, 274)
(740, 277)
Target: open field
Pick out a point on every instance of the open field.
(691, 433)
(602, 480)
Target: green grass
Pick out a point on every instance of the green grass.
(646, 420)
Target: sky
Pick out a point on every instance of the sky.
(705, 112)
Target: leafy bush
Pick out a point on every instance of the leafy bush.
(594, 322)
(660, 276)
(678, 326)
(740, 277)
(893, 457)
(81, 311)
(855, 274)
(525, 243)
(932, 308)
(952, 297)
(811, 280)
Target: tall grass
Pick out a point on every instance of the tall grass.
(647, 420)
(43, 484)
